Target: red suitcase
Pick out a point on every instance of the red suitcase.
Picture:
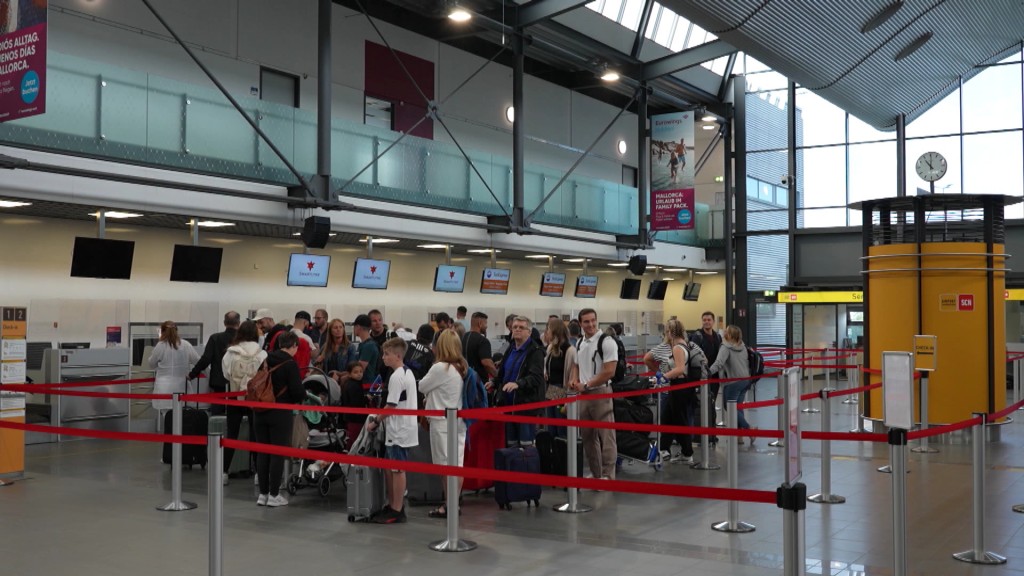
(483, 439)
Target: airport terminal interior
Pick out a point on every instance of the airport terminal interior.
(843, 182)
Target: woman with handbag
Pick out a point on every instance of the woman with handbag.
(559, 355)
(671, 358)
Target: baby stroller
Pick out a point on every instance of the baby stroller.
(324, 434)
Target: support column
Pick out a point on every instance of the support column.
(322, 185)
(643, 164)
(736, 204)
(901, 155)
(518, 133)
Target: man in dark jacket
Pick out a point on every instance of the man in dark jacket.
(213, 355)
(709, 341)
(522, 372)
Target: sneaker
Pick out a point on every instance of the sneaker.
(680, 459)
(389, 516)
(313, 469)
(224, 478)
(275, 501)
(262, 500)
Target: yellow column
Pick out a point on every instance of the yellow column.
(13, 331)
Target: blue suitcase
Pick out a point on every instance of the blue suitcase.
(517, 459)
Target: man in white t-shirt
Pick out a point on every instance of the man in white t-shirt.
(400, 430)
(592, 372)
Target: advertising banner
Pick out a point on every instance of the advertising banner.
(22, 58)
(672, 190)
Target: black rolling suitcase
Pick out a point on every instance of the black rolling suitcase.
(424, 489)
(517, 459)
(194, 422)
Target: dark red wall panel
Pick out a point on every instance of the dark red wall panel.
(385, 79)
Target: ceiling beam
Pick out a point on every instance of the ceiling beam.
(540, 10)
(686, 59)
(645, 18)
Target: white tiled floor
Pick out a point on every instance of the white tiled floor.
(88, 508)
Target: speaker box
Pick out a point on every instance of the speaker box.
(316, 231)
(638, 264)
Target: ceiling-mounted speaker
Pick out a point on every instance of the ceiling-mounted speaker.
(638, 264)
(316, 231)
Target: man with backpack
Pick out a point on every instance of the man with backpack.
(592, 372)
(709, 341)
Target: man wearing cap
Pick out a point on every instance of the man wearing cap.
(369, 351)
(268, 328)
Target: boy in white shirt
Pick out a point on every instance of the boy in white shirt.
(400, 430)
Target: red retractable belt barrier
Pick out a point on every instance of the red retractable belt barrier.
(105, 434)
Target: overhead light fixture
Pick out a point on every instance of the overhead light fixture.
(610, 76)
(706, 272)
(510, 114)
(719, 179)
(619, 264)
(913, 46)
(882, 17)
(116, 214)
(667, 279)
(459, 15)
(537, 256)
(213, 224)
(13, 204)
(574, 260)
(483, 251)
(432, 246)
(709, 118)
(674, 269)
(380, 240)
(709, 127)
(621, 147)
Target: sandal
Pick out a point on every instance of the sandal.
(438, 512)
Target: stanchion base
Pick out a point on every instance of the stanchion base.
(888, 469)
(986, 557)
(738, 527)
(456, 546)
(777, 444)
(826, 499)
(923, 450)
(704, 466)
(579, 509)
(1019, 508)
(810, 411)
(177, 506)
(6, 483)
(851, 401)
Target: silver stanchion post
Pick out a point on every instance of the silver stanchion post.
(1017, 382)
(733, 524)
(780, 413)
(215, 488)
(176, 504)
(853, 377)
(573, 506)
(898, 458)
(705, 443)
(978, 555)
(826, 496)
(1019, 508)
(452, 542)
(923, 447)
(812, 409)
(793, 501)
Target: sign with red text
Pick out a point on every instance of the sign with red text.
(22, 58)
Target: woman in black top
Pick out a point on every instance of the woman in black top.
(558, 359)
(275, 426)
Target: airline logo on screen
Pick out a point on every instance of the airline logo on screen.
(450, 278)
(552, 284)
(313, 272)
(495, 281)
(586, 287)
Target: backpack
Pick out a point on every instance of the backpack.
(620, 365)
(755, 362)
(697, 367)
(474, 394)
(243, 368)
(418, 359)
(261, 388)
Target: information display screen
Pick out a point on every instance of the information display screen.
(494, 281)
(196, 263)
(102, 258)
(308, 270)
(449, 278)
(586, 286)
(630, 289)
(552, 284)
(371, 274)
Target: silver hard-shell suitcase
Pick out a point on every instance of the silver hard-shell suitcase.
(365, 492)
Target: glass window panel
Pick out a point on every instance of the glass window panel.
(873, 171)
(992, 99)
(950, 148)
(761, 218)
(611, 9)
(821, 218)
(751, 65)
(666, 26)
(764, 167)
(821, 177)
(782, 196)
(818, 120)
(652, 22)
(631, 14)
(768, 264)
(768, 80)
(861, 131)
(766, 191)
(942, 118)
(766, 124)
(680, 36)
(994, 164)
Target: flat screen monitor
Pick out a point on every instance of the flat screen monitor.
(630, 289)
(371, 274)
(74, 345)
(586, 286)
(308, 270)
(552, 284)
(196, 264)
(449, 278)
(691, 292)
(494, 281)
(102, 258)
(656, 289)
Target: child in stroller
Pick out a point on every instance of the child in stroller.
(323, 434)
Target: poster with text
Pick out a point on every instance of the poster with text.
(672, 190)
(22, 58)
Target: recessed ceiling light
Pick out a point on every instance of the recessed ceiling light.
(674, 270)
(667, 279)
(432, 246)
(882, 17)
(574, 260)
(621, 147)
(380, 240)
(537, 256)
(708, 118)
(510, 114)
(13, 204)
(706, 272)
(213, 224)
(619, 264)
(483, 251)
(459, 15)
(709, 127)
(116, 214)
(610, 76)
